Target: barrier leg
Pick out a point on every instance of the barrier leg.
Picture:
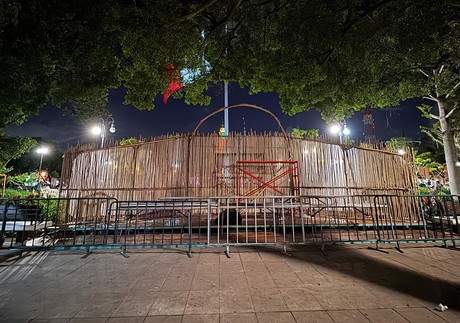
(377, 248)
(227, 251)
(123, 251)
(285, 251)
(323, 249)
(454, 246)
(398, 247)
(87, 253)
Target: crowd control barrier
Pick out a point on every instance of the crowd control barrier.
(91, 223)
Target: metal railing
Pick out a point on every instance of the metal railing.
(154, 224)
(46, 223)
(88, 223)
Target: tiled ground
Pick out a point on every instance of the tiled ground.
(350, 284)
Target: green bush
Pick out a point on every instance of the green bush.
(444, 191)
(52, 208)
(423, 190)
(15, 193)
(129, 141)
(22, 181)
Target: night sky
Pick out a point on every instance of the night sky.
(176, 117)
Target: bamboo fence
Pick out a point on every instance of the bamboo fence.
(206, 165)
(202, 166)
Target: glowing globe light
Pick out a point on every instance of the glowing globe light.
(96, 130)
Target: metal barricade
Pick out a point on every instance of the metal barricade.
(291, 220)
(418, 218)
(323, 220)
(255, 221)
(340, 219)
(157, 224)
(89, 223)
(53, 223)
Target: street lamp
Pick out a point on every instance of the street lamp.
(340, 129)
(42, 151)
(101, 128)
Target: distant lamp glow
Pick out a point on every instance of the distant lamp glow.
(340, 129)
(42, 151)
(401, 151)
(335, 129)
(96, 130)
(102, 127)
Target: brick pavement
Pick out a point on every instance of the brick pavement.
(350, 284)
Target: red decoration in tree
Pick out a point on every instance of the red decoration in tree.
(174, 81)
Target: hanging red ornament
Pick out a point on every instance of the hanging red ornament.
(174, 81)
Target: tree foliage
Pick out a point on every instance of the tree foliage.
(309, 133)
(22, 181)
(59, 51)
(129, 141)
(434, 132)
(29, 161)
(12, 148)
(425, 160)
(335, 56)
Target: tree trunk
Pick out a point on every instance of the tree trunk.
(453, 171)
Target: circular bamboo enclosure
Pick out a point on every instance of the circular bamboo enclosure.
(199, 165)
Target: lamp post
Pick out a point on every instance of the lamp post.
(341, 129)
(42, 151)
(101, 128)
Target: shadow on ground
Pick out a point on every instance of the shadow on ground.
(417, 272)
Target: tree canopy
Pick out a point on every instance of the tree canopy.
(335, 56)
(13, 148)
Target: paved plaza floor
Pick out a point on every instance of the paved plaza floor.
(349, 284)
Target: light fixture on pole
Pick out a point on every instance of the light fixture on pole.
(340, 129)
(101, 128)
(42, 151)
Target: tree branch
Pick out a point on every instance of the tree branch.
(229, 15)
(450, 112)
(455, 3)
(440, 69)
(435, 74)
(424, 73)
(197, 11)
(350, 21)
(431, 98)
(453, 90)
(429, 133)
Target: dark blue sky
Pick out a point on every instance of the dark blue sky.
(176, 117)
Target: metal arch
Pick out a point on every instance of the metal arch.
(253, 106)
